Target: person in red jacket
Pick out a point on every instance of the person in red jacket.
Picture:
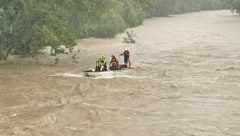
(113, 63)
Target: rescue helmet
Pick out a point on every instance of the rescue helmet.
(101, 56)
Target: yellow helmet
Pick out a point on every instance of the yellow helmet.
(101, 56)
(125, 49)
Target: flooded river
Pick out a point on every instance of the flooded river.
(186, 82)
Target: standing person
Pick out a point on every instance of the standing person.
(113, 63)
(126, 55)
(101, 63)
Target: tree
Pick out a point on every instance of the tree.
(30, 25)
(234, 5)
(163, 7)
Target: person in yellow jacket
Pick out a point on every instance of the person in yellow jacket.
(101, 63)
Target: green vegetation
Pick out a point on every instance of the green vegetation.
(106, 18)
(166, 7)
(30, 25)
(27, 26)
(130, 37)
(234, 5)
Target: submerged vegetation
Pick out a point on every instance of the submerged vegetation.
(27, 26)
(130, 37)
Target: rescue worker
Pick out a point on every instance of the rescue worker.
(101, 63)
(126, 55)
(113, 63)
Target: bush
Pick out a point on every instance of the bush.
(163, 7)
(110, 24)
(132, 16)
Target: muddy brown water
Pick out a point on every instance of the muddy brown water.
(189, 84)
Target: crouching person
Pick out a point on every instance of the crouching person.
(101, 64)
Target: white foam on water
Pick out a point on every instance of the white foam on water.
(118, 76)
(67, 75)
(114, 74)
(99, 75)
